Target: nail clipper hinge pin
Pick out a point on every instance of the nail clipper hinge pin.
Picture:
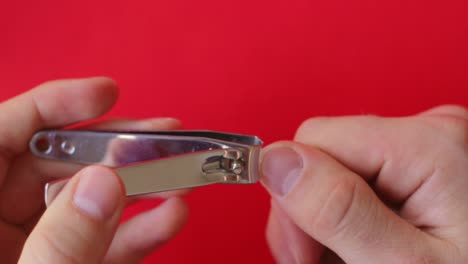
(226, 168)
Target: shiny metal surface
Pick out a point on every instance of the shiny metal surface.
(174, 173)
(156, 161)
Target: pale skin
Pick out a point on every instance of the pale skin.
(371, 190)
(64, 233)
(358, 189)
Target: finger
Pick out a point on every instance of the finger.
(362, 140)
(50, 170)
(146, 232)
(448, 111)
(149, 124)
(277, 243)
(377, 149)
(31, 173)
(287, 242)
(53, 104)
(338, 209)
(450, 120)
(80, 224)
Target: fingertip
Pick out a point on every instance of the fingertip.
(103, 83)
(101, 93)
(63, 102)
(176, 212)
(311, 124)
(452, 110)
(161, 123)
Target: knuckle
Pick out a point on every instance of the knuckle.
(458, 131)
(70, 242)
(311, 124)
(338, 211)
(457, 128)
(312, 130)
(450, 121)
(57, 250)
(453, 110)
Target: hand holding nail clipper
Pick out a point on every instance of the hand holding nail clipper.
(359, 189)
(367, 189)
(82, 224)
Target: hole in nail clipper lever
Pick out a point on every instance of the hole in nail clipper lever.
(67, 147)
(43, 145)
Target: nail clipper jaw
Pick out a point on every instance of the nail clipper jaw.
(234, 166)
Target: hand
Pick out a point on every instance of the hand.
(82, 223)
(371, 190)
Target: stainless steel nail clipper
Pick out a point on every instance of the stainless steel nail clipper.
(157, 161)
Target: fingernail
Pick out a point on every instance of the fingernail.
(98, 192)
(281, 168)
(53, 188)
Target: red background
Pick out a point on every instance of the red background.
(256, 67)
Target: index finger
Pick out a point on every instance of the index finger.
(52, 104)
(394, 154)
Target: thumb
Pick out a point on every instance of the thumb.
(79, 225)
(337, 208)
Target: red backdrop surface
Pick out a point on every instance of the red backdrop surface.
(256, 67)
